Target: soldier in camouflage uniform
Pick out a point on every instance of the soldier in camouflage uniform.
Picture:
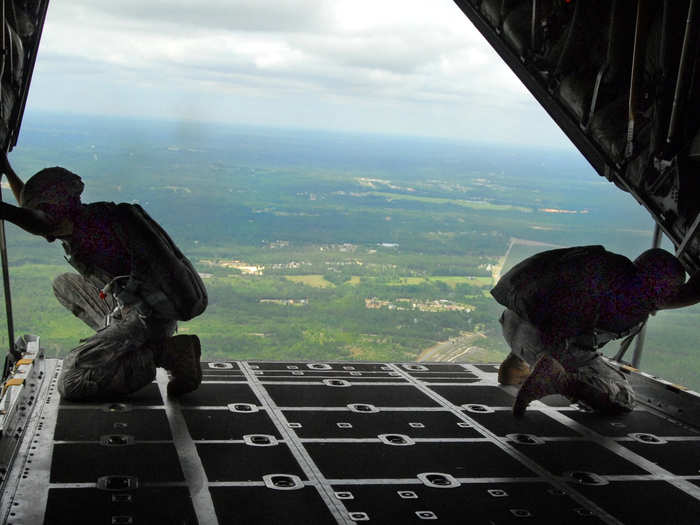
(563, 305)
(132, 286)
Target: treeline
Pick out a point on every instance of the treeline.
(335, 322)
(326, 323)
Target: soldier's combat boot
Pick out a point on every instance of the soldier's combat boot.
(180, 356)
(547, 377)
(513, 371)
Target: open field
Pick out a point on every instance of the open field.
(317, 281)
(519, 250)
(475, 205)
(451, 280)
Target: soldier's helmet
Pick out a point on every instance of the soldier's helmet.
(55, 187)
(662, 271)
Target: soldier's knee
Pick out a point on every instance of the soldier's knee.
(75, 385)
(623, 400)
(63, 283)
(604, 389)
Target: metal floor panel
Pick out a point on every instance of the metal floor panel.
(90, 506)
(91, 424)
(502, 423)
(212, 425)
(390, 395)
(344, 443)
(357, 425)
(255, 505)
(515, 503)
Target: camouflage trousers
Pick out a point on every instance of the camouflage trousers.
(118, 359)
(598, 384)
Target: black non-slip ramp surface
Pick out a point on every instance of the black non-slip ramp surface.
(85, 506)
(316, 443)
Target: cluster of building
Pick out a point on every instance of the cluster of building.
(244, 268)
(292, 265)
(334, 264)
(376, 183)
(344, 247)
(436, 305)
(286, 302)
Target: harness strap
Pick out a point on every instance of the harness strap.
(600, 338)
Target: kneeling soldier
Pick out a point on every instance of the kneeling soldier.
(563, 305)
(133, 284)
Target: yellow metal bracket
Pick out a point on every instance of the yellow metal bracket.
(15, 381)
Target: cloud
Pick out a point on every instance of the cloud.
(378, 65)
(216, 15)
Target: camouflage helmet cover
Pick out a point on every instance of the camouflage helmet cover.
(664, 272)
(51, 185)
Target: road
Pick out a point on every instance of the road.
(456, 349)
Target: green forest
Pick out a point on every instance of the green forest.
(321, 246)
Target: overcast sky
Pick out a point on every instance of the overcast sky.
(417, 67)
